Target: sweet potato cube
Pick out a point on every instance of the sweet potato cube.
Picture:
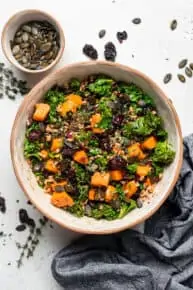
(94, 120)
(150, 143)
(91, 194)
(130, 188)
(62, 199)
(110, 193)
(134, 150)
(76, 99)
(51, 166)
(116, 175)
(44, 154)
(57, 143)
(80, 157)
(143, 170)
(41, 112)
(100, 179)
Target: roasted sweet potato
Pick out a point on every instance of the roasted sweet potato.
(76, 99)
(43, 154)
(80, 157)
(91, 194)
(70, 105)
(150, 143)
(94, 120)
(110, 193)
(100, 179)
(51, 166)
(61, 199)
(134, 150)
(41, 112)
(147, 182)
(116, 175)
(141, 155)
(130, 188)
(57, 144)
(143, 170)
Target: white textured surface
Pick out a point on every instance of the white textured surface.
(151, 43)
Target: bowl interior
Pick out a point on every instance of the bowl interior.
(42, 200)
(15, 22)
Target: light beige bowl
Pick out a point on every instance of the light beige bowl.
(41, 200)
(12, 26)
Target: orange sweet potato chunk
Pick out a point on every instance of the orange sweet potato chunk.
(62, 199)
(81, 157)
(41, 112)
(56, 144)
(110, 193)
(143, 170)
(116, 175)
(150, 143)
(94, 120)
(91, 194)
(100, 179)
(51, 166)
(130, 188)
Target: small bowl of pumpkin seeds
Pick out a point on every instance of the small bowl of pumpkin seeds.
(33, 41)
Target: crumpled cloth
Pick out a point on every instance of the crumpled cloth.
(160, 258)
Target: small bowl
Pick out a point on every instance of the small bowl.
(12, 26)
(27, 179)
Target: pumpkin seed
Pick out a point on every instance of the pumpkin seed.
(136, 20)
(26, 28)
(34, 30)
(173, 24)
(188, 72)
(182, 63)
(181, 78)
(191, 66)
(167, 78)
(15, 49)
(25, 36)
(18, 40)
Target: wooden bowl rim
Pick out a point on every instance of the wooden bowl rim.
(178, 165)
(16, 64)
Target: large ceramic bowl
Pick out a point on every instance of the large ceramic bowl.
(41, 200)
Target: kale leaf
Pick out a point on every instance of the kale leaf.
(101, 86)
(54, 98)
(163, 153)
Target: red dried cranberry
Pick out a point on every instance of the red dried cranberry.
(34, 135)
(105, 144)
(68, 152)
(117, 120)
(117, 162)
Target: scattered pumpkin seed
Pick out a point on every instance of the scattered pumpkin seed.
(191, 66)
(182, 63)
(173, 24)
(188, 72)
(167, 78)
(181, 78)
(136, 20)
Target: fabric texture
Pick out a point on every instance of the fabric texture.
(159, 259)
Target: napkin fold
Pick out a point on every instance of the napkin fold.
(158, 259)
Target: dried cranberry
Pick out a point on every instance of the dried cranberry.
(90, 51)
(117, 120)
(110, 51)
(117, 162)
(68, 152)
(121, 36)
(69, 134)
(65, 166)
(105, 144)
(23, 216)
(34, 135)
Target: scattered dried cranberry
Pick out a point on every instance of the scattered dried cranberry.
(2, 204)
(121, 36)
(90, 51)
(110, 52)
(68, 152)
(102, 33)
(105, 144)
(117, 120)
(34, 135)
(117, 162)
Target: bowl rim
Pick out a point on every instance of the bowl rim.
(178, 165)
(57, 25)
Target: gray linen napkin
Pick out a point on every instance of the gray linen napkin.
(161, 258)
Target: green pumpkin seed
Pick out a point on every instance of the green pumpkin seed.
(167, 78)
(188, 72)
(191, 66)
(181, 78)
(173, 24)
(182, 63)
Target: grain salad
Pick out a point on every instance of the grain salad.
(97, 147)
